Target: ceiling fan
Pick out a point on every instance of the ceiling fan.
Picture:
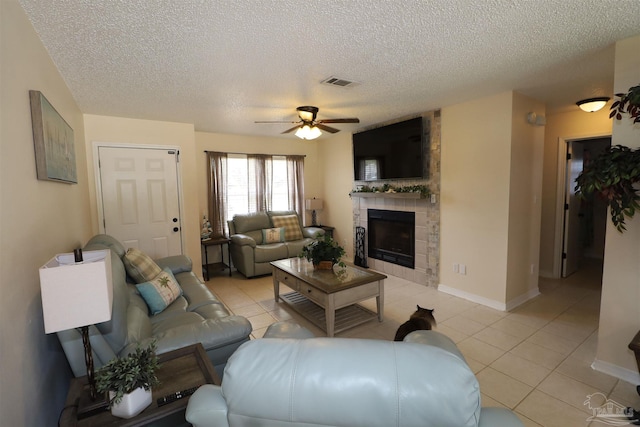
(308, 127)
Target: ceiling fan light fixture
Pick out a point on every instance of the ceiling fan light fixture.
(308, 132)
(591, 105)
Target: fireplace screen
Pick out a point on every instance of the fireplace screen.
(392, 236)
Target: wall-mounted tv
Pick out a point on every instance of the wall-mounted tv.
(395, 151)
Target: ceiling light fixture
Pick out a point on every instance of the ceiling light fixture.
(591, 105)
(308, 132)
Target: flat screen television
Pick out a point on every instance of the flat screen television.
(395, 151)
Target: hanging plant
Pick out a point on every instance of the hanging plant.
(629, 103)
(613, 174)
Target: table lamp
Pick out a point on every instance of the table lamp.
(77, 291)
(313, 205)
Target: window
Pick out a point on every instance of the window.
(252, 183)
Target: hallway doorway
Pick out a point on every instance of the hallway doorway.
(584, 220)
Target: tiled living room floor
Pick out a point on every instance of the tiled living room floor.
(534, 360)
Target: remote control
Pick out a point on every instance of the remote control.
(176, 396)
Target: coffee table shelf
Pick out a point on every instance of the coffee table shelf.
(345, 318)
(329, 298)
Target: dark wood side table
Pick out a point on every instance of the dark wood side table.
(327, 229)
(216, 266)
(179, 370)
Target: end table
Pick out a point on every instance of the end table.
(179, 370)
(206, 267)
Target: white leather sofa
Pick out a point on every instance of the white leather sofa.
(277, 382)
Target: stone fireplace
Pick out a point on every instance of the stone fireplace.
(391, 236)
(426, 241)
(425, 211)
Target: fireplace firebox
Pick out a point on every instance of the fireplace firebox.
(392, 236)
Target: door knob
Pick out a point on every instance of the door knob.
(176, 229)
(175, 219)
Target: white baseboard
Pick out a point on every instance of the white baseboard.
(624, 374)
(546, 274)
(519, 300)
(489, 302)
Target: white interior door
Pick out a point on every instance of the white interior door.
(140, 198)
(572, 245)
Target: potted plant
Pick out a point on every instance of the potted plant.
(628, 103)
(129, 380)
(614, 173)
(323, 253)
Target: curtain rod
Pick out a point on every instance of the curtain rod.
(261, 154)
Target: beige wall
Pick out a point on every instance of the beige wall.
(574, 124)
(122, 131)
(490, 209)
(336, 157)
(38, 219)
(525, 189)
(474, 203)
(620, 310)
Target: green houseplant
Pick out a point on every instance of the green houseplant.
(628, 103)
(123, 376)
(615, 173)
(323, 251)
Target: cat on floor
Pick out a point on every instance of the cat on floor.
(421, 319)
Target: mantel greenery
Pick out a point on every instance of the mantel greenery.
(123, 375)
(388, 188)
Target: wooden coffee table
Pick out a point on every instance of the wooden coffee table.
(179, 370)
(328, 298)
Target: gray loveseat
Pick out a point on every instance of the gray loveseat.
(195, 317)
(275, 382)
(250, 253)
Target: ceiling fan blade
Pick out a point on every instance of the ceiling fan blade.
(291, 130)
(271, 121)
(327, 128)
(352, 120)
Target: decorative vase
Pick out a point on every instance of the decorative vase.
(132, 403)
(324, 265)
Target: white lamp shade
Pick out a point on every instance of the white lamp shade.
(313, 204)
(75, 295)
(308, 132)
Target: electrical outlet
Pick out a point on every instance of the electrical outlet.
(455, 267)
(463, 269)
(433, 198)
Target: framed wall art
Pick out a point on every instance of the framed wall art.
(53, 142)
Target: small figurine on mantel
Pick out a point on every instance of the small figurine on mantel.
(205, 233)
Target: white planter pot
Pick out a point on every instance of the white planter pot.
(132, 403)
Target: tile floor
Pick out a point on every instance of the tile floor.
(535, 360)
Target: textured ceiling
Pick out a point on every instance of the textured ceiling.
(224, 64)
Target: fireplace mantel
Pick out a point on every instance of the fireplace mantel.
(387, 195)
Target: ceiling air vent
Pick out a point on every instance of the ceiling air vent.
(335, 81)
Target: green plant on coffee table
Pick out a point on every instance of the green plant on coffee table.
(123, 375)
(323, 249)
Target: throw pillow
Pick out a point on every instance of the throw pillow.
(273, 235)
(292, 230)
(140, 266)
(159, 292)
